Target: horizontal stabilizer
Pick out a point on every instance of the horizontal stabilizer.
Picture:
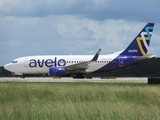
(145, 57)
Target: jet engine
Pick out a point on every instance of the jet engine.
(57, 71)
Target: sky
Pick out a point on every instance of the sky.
(77, 27)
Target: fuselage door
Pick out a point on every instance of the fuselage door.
(26, 63)
(120, 62)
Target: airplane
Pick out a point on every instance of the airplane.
(78, 65)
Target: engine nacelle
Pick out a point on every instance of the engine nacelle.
(57, 71)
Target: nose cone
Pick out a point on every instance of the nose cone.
(7, 67)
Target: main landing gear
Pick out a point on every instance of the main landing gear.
(79, 76)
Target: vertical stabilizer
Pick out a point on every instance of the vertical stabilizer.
(139, 46)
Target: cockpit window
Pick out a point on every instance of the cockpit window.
(14, 61)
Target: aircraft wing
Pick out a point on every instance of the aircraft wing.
(145, 57)
(83, 65)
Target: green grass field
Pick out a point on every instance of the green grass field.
(79, 101)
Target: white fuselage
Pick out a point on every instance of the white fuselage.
(41, 64)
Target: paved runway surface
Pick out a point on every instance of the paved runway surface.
(50, 79)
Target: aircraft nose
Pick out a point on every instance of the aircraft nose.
(7, 67)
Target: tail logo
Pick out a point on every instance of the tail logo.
(144, 37)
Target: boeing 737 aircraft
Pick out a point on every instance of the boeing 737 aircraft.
(66, 65)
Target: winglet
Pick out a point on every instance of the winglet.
(96, 55)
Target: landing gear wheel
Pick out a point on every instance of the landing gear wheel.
(79, 76)
(23, 76)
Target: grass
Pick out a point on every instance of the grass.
(79, 100)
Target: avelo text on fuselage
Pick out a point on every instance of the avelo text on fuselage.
(33, 63)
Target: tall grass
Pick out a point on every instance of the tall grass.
(70, 101)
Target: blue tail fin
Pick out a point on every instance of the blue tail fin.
(139, 46)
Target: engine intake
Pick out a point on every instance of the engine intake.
(57, 71)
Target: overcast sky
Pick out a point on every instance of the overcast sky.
(51, 27)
